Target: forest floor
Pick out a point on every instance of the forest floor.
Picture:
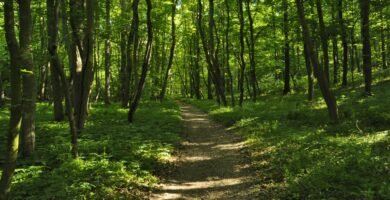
(212, 162)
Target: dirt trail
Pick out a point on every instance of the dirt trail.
(211, 164)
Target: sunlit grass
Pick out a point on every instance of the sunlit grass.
(117, 159)
(300, 155)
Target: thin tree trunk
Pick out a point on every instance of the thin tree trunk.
(171, 52)
(252, 52)
(287, 87)
(365, 28)
(107, 56)
(84, 54)
(16, 101)
(242, 49)
(215, 70)
(52, 24)
(145, 65)
(324, 38)
(309, 69)
(52, 30)
(124, 73)
(318, 71)
(1, 91)
(344, 43)
(383, 42)
(227, 49)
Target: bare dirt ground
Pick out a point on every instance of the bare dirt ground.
(211, 165)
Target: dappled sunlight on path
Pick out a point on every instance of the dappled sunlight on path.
(211, 164)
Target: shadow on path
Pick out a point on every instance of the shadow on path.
(211, 165)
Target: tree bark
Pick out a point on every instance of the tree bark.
(344, 43)
(52, 31)
(83, 73)
(242, 49)
(227, 49)
(107, 56)
(309, 69)
(171, 52)
(28, 79)
(252, 52)
(16, 101)
(318, 71)
(365, 28)
(53, 7)
(1, 91)
(124, 73)
(324, 38)
(215, 70)
(145, 65)
(287, 87)
(383, 42)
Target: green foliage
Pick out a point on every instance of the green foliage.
(299, 155)
(117, 160)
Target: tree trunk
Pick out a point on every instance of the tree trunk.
(252, 52)
(324, 38)
(1, 91)
(318, 71)
(309, 69)
(383, 42)
(171, 52)
(28, 79)
(365, 26)
(242, 49)
(124, 73)
(107, 56)
(52, 24)
(335, 52)
(52, 31)
(215, 70)
(83, 74)
(16, 101)
(227, 49)
(344, 43)
(287, 87)
(145, 65)
(197, 69)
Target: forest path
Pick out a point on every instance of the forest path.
(210, 165)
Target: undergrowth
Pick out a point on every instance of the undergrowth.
(117, 160)
(299, 154)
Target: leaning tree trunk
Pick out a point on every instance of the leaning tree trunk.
(171, 53)
(216, 69)
(324, 38)
(145, 65)
(318, 71)
(52, 24)
(11, 153)
(29, 85)
(365, 26)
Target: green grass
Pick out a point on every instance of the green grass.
(299, 155)
(117, 160)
